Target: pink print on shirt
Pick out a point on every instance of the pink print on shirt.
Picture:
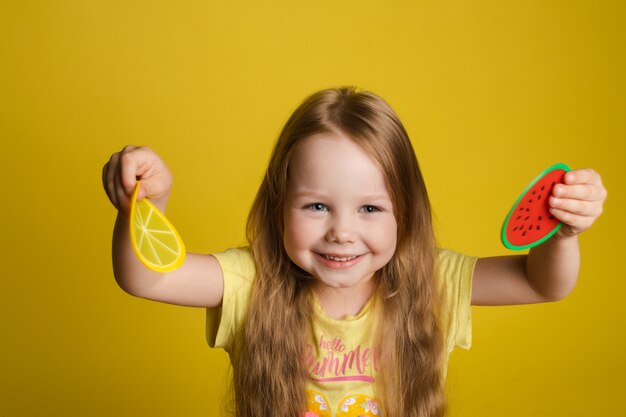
(336, 364)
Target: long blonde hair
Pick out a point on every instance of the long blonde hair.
(269, 373)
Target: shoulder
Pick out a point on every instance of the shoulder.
(238, 262)
(450, 263)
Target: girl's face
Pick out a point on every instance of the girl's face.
(339, 220)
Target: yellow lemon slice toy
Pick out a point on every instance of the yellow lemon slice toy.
(155, 241)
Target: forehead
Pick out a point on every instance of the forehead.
(334, 162)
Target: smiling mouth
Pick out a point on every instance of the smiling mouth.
(338, 258)
(338, 261)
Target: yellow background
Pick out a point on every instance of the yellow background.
(491, 92)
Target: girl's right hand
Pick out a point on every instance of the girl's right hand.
(125, 168)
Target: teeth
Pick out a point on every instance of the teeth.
(339, 259)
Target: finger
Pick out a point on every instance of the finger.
(582, 176)
(576, 207)
(137, 163)
(118, 192)
(128, 168)
(584, 192)
(575, 222)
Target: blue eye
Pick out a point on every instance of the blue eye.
(370, 209)
(318, 207)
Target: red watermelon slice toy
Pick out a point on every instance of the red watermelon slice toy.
(529, 222)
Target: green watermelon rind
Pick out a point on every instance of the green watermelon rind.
(508, 217)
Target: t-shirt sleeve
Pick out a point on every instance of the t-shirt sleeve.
(455, 272)
(222, 322)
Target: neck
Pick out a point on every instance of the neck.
(338, 303)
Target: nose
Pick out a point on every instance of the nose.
(341, 229)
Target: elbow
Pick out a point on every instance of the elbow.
(141, 288)
(129, 280)
(125, 286)
(557, 294)
(129, 286)
(553, 298)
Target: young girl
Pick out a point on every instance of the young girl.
(342, 304)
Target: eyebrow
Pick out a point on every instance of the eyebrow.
(314, 195)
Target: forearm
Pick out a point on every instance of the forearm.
(552, 267)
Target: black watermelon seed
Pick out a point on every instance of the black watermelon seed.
(515, 228)
(538, 197)
(538, 227)
(524, 234)
(543, 187)
(540, 218)
(530, 201)
(551, 217)
(531, 227)
(527, 209)
(527, 217)
(518, 217)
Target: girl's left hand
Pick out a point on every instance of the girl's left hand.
(578, 202)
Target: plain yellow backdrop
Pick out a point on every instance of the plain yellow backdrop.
(491, 92)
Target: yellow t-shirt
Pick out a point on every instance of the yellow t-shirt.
(339, 356)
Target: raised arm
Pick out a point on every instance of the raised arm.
(198, 282)
(549, 272)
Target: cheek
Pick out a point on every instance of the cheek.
(298, 240)
(386, 237)
(297, 234)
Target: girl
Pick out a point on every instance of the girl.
(342, 304)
